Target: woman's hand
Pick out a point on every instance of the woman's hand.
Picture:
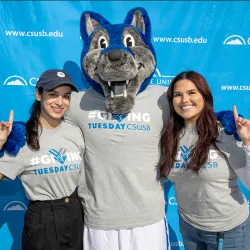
(5, 129)
(243, 127)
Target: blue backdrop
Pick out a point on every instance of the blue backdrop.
(210, 37)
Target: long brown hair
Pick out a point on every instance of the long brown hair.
(33, 124)
(206, 127)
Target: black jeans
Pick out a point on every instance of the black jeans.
(54, 225)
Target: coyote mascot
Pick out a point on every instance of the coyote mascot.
(121, 118)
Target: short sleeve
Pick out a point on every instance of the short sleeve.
(11, 166)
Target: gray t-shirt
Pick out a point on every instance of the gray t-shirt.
(211, 200)
(122, 190)
(52, 172)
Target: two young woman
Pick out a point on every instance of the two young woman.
(204, 163)
(49, 166)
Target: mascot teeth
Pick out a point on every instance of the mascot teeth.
(127, 83)
(118, 95)
(118, 88)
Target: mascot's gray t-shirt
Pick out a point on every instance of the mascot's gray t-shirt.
(122, 190)
(52, 172)
(211, 200)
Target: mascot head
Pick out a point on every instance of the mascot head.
(118, 60)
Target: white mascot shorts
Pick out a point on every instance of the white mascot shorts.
(151, 237)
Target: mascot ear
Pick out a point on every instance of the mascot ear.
(89, 22)
(139, 18)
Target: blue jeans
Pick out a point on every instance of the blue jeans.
(237, 238)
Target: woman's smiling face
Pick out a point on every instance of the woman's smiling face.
(187, 101)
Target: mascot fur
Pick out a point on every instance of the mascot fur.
(121, 190)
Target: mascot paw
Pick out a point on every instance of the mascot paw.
(16, 140)
(226, 118)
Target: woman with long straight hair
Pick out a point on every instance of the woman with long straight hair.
(204, 164)
(49, 167)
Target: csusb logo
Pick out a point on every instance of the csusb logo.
(16, 80)
(159, 79)
(236, 40)
(172, 201)
(15, 206)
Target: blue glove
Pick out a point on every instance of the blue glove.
(226, 118)
(16, 139)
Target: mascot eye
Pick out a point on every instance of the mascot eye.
(129, 41)
(102, 42)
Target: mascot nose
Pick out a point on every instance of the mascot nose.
(115, 55)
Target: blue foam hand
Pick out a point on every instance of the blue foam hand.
(16, 139)
(226, 118)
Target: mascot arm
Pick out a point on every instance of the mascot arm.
(16, 140)
(74, 110)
